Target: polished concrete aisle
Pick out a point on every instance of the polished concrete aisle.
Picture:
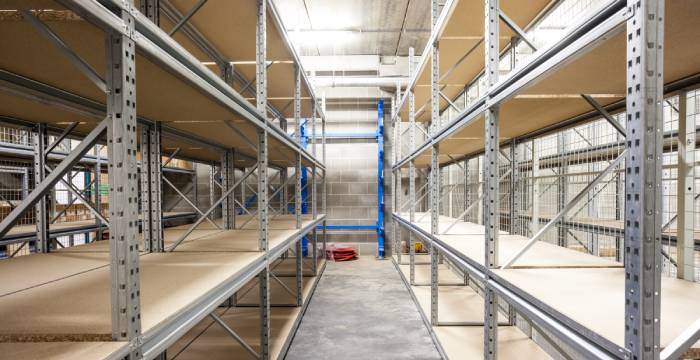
(362, 310)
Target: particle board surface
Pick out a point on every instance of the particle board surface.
(69, 225)
(234, 241)
(59, 350)
(25, 272)
(455, 303)
(38, 269)
(541, 254)
(208, 340)
(250, 293)
(462, 304)
(162, 96)
(445, 275)
(467, 342)
(554, 97)
(595, 298)
(470, 242)
(79, 306)
(215, 343)
(287, 267)
(461, 47)
(444, 222)
(63, 226)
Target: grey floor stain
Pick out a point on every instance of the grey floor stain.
(362, 310)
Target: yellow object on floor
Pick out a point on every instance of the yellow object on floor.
(419, 246)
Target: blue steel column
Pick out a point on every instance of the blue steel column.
(380, 179)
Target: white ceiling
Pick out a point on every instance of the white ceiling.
(369, 27)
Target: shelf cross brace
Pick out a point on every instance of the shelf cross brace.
(605, 114)
(189, 202)
(79, 194)
(60, 138)
(211, 208)
(234, 335)
(55, 176)
(187, 17)
(565, 210)
(513, 26)
(442, 95)
(71, 202)
(76, 60)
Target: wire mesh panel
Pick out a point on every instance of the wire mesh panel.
(17, 181)
(573, 178)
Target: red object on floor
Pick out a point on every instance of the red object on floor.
(341, 254)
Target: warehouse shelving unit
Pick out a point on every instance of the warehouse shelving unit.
(617, 64)
(131, 298)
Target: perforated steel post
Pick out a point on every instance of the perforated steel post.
(261, 101)
(325, 185)
(212, 187)
(435, 213)
(299, 274)
(40, 139)
(434, 75)
(434, 165)
(314, 207)
(491, 179)
(394, 156)
(228, 208)
(151, 8)
(514, 193)
(563, 191)
(97, 171)
(411, 168)
(466, 189)
(151, 188)
(283, 194)
(123, 193)
(313, 129)
(686, 190)
(297, 133)
(643, 178)
(145, 189)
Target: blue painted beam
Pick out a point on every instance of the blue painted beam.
(349, 135)
(348, 227)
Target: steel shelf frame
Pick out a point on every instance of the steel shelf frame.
(127, 31)
(644, 21)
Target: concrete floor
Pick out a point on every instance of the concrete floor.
(362, 310)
